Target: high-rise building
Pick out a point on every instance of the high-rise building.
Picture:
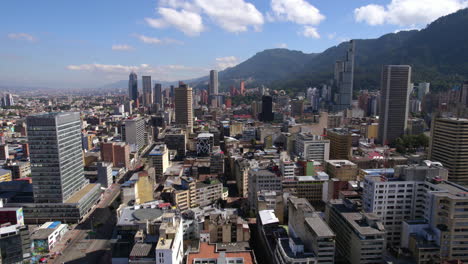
(395, 85)
(7, 100)
(423, 89)
(56, 156)
(159, 160)
(344, 79)
(183, 106)
(449, 145)
(158, 97)
(4, 152)
(147, 91)
(135, 133)
(267, 109)
(133, 86)
(213, 91)
(464, 95)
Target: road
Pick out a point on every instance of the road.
(89, 241)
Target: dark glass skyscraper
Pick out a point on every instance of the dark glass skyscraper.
(394, 100)
(56, 156)
(267, 109)
(157, 93)
(133, 86)
(344, 79)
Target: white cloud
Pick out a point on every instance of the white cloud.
(407, 12)
(159, 72)
(226, 62)
(186, 21)
(232, 15)
(152, 40)
(282, 45)
(122, 47)
(310, 32)
(22, 36)
(297, 11)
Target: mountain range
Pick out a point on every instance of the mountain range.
(438, 54)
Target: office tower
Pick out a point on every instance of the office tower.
(213, 91)
(449, 145)
(147, 91)
(343, 170)
(176, 139)
(158, 97)
(395, 85)
(267, 109)
(205, 142)
(56, 156)
(344, 79)
(133, 87)
(312, 147)
(135, 130)
(360, 237)
(183, 106)
(340, 143)
(261, 180)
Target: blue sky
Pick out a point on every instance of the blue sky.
(88, 43)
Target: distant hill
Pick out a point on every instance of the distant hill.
(438, 54)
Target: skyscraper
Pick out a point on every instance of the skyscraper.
(213, 91)
(157, 93)
(133, 87)
(449, 144)
(147, 91)
(56, 156)
(395, 85)
(135, 129)
(344, 79)
(267, 109)
(183, 105)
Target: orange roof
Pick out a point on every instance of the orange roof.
(208, 251)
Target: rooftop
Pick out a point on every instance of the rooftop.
(142, 250)
(158, 150)
(209, 251)
(268, 217)
(75, 198)
(319, 226)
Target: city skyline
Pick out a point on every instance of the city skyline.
(94, 48)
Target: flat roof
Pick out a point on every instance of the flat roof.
(318, 225)
(209, 251)
(268, 217)
(75, 198)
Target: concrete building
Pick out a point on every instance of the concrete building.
(305, 223)
(104, 174)
(5, 175)
(193, 194)
(395, 91)
(344, 170)
(312, 147)
(261, 180)
(47, 236)
(176, 139)
(169, 248)
(340, 143)
(159, 160)
(399, 197)
(135, 131)
(449, 145)
(4, 152)
(184, 106)
(15, 245)
(147, 91)
(310, 188)
(225, 228)
(360, 237)
(217, 254)
(205, 143)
